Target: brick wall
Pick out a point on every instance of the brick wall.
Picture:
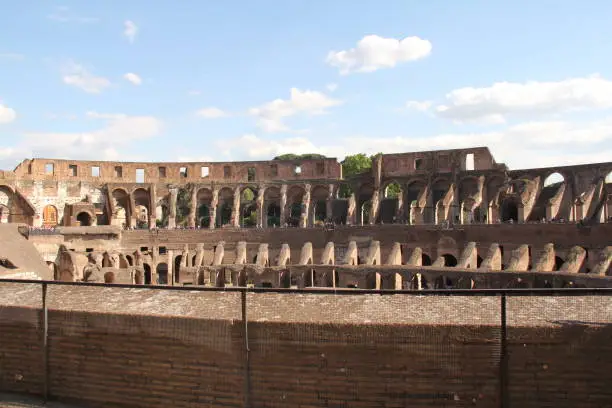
(147, 348)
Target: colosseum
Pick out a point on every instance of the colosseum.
(437, 219)
(437, 278)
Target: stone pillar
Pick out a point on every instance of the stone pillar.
(305, 206)
(283, 205)
(172, 207)
(171, 267)
(193, 208)
(375, 207)
(132, 217)
(400, 215)
(260, 207)
(153, 206)
(236, 208)
(329, 203)
(351, 218)
(213, 208)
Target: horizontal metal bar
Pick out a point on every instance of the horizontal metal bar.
(341, 291)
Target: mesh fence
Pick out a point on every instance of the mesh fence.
(109, 345)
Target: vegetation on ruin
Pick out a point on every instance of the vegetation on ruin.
(183, 206)
(361, 163)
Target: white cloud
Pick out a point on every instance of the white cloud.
(527, 145)
(11, 56)
(503, 100)
(119, 131)
(130, 30)
(374, 52)
(63, 14)
(331, 87)
(194, 92)
(212, 113)
(270, 115)
(421, 106)
(7, 114)
(78, 76)
(133, 78)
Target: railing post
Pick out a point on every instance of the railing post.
(45, 342)
(503, 363)
(247, 361)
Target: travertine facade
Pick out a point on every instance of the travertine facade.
(457, 186)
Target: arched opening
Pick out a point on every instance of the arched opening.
(4, 214)
(295, 198)
(142, 207)
(50, 218)
(440, 189)
(129, 260)
(478, 261)
(272, 199)
(177, 268)
(319, 196)
(84, 219)
(248, 208)
(413, 195)
(558, 263)
(162, 215)
(138, 278)
(162, 273)
(365, 211)
(372, 280)
(389, 212)
(120, 204)
(425, 260)
(147, 274)
(204, 216)
(204, 197)
(449, 260)
(554, 178)
(226, 202)
(509, 211)
(285, 279)
(109, 277)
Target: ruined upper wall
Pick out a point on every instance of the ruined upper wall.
(439, 161)
(175, 172)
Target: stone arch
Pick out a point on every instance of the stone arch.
(391, 206)
(50, 216)
(295, 196)
(425, 260)
(204, 197)
(414, 194)
(147, 274)
(553, 178)
(272, 208)
(364, 203)
(129, 260)
(84, 218)
(248, 207)
(318, 204)
(142, 204)
(138, 277)
(109, 277)
(509, 210)
(121, 204)
(162, 273)
(479, 261)
(162, 213)
(225, 207)
(4, 214)
(468, 195)
(449, 260)
(558, 263)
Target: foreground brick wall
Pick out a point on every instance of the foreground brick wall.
(146, 348)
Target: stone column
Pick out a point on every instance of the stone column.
(170, 267)
(283, 205)
(236, 208)
(193, 210)
(132, 217)
(305, 206)
(351, 216)
(400, 215)
(375, 207)
(213, 208)
(260, 206)
(110, 204)
(329, 203)
(153, 206)
(172, 207)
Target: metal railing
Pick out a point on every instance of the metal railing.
(503, 295)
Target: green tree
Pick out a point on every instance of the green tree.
(183, 206)
(353, 165)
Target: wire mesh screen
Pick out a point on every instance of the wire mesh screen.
(559, 351)
(21, 335)
(371, 350)
(145, 348)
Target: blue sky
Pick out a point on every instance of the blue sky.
(248, 80)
